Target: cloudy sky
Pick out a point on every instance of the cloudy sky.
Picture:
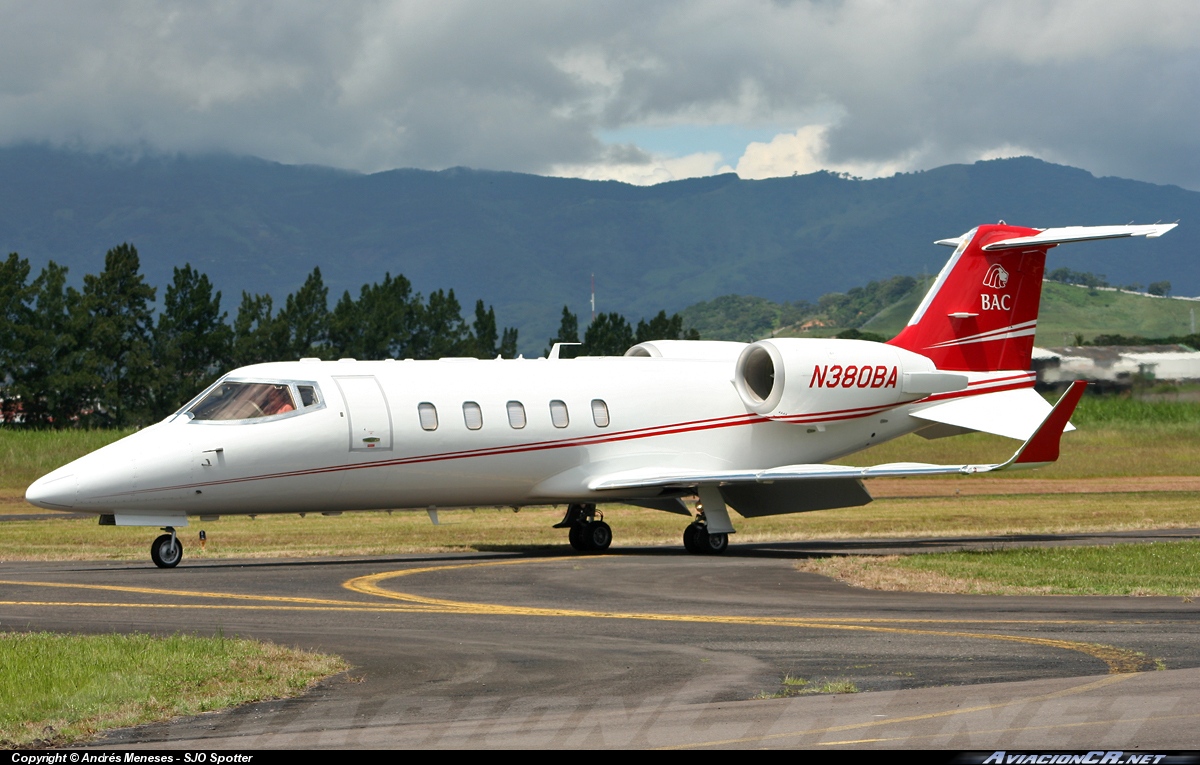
(637, 91)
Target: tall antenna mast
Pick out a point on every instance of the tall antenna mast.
(593, 297)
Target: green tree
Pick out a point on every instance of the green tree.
(1162, 289)
(484, 336)
(609, 335)
(379, 325)
(508, 343)
(118, 350)
(305, 316)
(663, 328)
(192, 342)
(568, 332)
(258, 335)
(443, 333)
(16, 315)
(52, 382)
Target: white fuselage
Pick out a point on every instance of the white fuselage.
(366, 446)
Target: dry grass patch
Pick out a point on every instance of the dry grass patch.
(799, 686)
(881, 572)
(55, 689)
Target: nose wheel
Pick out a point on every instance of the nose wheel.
(167, 550)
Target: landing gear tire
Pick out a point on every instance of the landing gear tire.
(711, 544)
(575, 537)
(167, 551)
(698, 540)
(597, 535)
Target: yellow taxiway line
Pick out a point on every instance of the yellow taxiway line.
(1118, 660)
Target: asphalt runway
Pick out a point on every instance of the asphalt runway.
(650, 647)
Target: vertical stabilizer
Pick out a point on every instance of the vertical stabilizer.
(981, 312)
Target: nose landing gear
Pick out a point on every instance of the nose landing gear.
(167, 550)
(587, 533)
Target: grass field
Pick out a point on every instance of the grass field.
(55, 689)
(26, 455)
(1160, 568)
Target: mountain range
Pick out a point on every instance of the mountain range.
(530, 244)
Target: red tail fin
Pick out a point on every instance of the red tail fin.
(981, 312)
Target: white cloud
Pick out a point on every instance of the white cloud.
(655, 169)
(806, 151)
(800, 153)
(529, 85)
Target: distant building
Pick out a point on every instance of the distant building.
(1115, 367)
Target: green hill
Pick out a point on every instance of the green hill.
(529, 245)
(1067, 310)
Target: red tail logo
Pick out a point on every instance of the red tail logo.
(997, 277)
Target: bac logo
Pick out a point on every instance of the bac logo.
(996, 277)
(852, 376)
(996, 302)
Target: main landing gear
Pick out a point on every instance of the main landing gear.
(587, 532)
(699, 540)
(167, 550)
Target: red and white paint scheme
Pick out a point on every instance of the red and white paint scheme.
(747, 426)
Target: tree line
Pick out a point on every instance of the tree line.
(102, 356)
(1092, 281)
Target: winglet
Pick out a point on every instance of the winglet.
(1042, 446)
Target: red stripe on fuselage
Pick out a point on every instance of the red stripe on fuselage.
(602, 438)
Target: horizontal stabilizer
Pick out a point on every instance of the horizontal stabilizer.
(1040, 448)
(1010, 413)
(1070, 234)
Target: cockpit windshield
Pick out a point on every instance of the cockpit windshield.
(233, 400)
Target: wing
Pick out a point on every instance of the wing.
(1041, 448)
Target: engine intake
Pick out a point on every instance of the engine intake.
(786, 377)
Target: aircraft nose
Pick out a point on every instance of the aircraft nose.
(56, 491)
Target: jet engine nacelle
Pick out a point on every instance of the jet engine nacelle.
(688, 349)
(786, 377)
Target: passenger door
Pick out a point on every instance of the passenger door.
(367, 413)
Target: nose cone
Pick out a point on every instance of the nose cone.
(54, 491)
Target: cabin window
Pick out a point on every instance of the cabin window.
(558, 414)
(516, 414)
(472, 415)
(428, 414)
(600, 413)
(244, 401)
(308, 395)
